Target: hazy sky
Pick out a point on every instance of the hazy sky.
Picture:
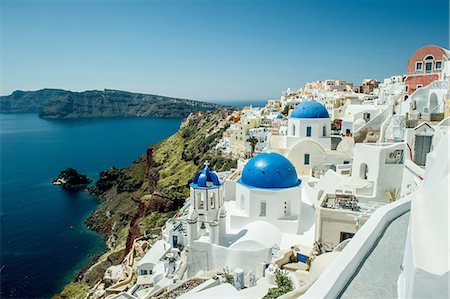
(211, 50)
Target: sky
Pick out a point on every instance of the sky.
(211, 50)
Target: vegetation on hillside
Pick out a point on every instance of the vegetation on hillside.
(141, 197)
(73, 290)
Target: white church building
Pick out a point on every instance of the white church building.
(262, 214)
(308, 141)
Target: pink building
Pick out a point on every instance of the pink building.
(425, 66)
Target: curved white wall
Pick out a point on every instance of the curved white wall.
(339, 273)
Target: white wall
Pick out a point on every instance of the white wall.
(205, 256)
(229, 190)
(331, 222)
(385, 176)
(276, 200)
(426, 260)
(318, 156)
(301, 125)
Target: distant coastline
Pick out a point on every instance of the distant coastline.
(64, 104)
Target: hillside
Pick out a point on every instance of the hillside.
(141, 197)
(57, 103)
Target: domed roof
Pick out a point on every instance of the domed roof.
(269, 170)
(310, 109)
(360, 122)
(279, 116)
(206, 178)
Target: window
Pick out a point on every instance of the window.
(419, 66)
(324, 131)
(419, 86)
(363, 171)
(263, 208)
(346, 235)
(406, 88)
(428, 67)
(201, 201)
(438, 65)
(293, 129)
(306, 159)
(213, 201)
(144, 272)
(308, 131)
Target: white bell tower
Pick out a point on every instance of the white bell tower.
(206, 215)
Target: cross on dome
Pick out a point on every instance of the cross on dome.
(206, 164)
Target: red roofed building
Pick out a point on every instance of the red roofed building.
(425, 66)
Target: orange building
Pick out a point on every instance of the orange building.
(424, 67)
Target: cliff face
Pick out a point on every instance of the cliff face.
(57, 103)
(142, 196)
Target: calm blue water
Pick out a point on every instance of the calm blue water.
(43, 239)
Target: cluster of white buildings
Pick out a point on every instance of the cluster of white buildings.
(335, 175)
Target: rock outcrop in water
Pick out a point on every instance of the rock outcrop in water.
(71, 180)
(57, 103)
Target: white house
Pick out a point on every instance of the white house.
(269, 191)
(310, 119)
(382, 165)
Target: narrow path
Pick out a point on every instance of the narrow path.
(377, 277)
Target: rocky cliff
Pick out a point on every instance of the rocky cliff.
(57, 103)
(141, 197)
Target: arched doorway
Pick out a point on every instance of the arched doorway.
(434, 104)
(319, 195)
(363, 170)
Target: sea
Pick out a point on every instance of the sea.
(44, 242)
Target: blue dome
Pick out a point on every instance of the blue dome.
(206, 178)
(269, 170)
(310, 109)
(279, 116)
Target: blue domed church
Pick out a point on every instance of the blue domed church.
(310, 119)
(245, 219)
(269, 191)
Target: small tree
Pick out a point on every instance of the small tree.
(253, 141)
(393, 194)
(284, 285)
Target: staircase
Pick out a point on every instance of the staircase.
(373, 125)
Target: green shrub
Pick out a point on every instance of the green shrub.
(284, 285)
